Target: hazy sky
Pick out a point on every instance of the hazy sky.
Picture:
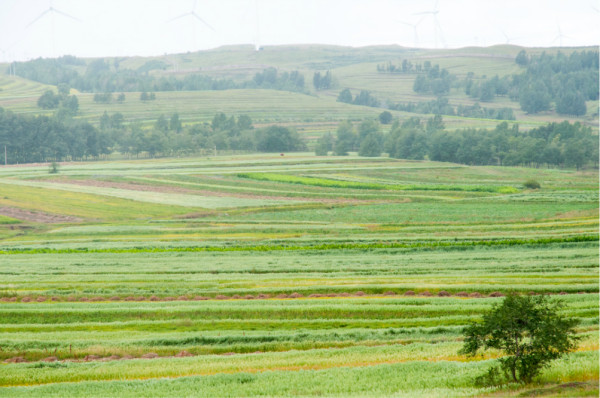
(145, 27)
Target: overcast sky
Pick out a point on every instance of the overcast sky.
(96, 28)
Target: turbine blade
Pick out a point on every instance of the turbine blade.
(203, 21)
(178, 17)
(66, 15)
(38, 18)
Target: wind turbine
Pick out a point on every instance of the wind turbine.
(53, 12)
(437, 28)
(257, 43)
(414, 26)
(559, 36)
(508, 38)
(192, 13)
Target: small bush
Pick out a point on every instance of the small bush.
(532, 184)
(53, 168)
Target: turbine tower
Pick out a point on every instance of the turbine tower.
(52, 12)
(257, 42)
(508, 38)
(438, 34)
(559, 36)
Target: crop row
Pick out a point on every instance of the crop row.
(317, 247)
(331, 183)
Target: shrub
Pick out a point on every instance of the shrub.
(532, 184)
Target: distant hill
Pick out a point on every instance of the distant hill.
(275, 85)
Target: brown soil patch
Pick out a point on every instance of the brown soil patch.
(184, 353)
(262, 296)
(36, 216)
(150, 355)
(138, 186)
(15, 360)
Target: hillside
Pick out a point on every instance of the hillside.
(352, 68)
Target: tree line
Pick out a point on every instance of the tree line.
(30, 139)
(554, 145)
(102, 77)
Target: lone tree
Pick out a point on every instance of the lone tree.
(528, 329)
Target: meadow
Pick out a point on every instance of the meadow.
(295, 275)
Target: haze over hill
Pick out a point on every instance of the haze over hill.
(87, 28)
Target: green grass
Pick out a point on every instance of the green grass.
(313, 226)
(322, 182)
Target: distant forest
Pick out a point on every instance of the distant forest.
(565, 81)
(102, 77)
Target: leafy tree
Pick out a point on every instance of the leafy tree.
(48, 100)
(571, 103)
(104, 98)
(535, 98)
(365, 98)
(370, 146)
(528, 329)
(522, 58)
(175, 123)
(322, 82)
(161, 124)
(63, 89)
(385, 117)
(435, 123)
(278, 139)
(345, 96)
(324, 145)
(346, 137)
(367, 127)
(54, 168)
(71, 104)
(121, 98)
(244, 122)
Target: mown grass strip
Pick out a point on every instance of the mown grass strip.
(330, 183)
(325, 246)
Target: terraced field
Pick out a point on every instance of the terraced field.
(270, 275)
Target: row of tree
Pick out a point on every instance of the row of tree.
(441, 106)
(101, 77)
(556, 144)
(363, 98)
(31, 139)
(41, 138)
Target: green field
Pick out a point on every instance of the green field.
(298, 275)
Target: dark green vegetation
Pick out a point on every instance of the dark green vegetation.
(529, 329)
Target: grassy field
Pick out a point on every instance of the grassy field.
(296, 275)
